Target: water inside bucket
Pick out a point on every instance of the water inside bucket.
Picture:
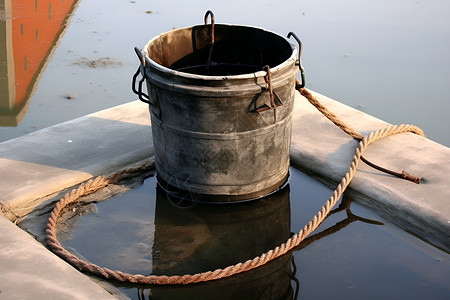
(220, 69)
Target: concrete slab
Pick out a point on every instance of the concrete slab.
(322, 149)
(61, 156)
(30, 271)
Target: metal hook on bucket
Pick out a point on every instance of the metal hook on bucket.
(299, 61)
(268, 80)
(210, 14)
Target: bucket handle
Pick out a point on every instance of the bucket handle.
(143, 96)
(299, 61)
(141, 69)
(211, 15)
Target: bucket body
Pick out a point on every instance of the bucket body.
(214, 129)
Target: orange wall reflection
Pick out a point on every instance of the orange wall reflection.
(30, 30)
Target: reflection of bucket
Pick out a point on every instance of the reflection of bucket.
(216, 128)
(273, 281)
(205, 237)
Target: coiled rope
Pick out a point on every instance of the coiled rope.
(101, 181)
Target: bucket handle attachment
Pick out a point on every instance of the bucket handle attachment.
(258, 106)
(143, 96)
(299, 61)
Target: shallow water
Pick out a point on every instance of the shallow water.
(354, 254)
(387, 59)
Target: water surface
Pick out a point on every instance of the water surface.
(388, 59)
(354, 254)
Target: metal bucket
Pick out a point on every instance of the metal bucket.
(220, 99)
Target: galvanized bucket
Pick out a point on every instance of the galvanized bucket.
(220, 99)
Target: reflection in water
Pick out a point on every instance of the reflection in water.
(195, 239)
(217, 235)
(29, 32)
(344, 205)
(186, 239)
(143, 231)
(276, 280)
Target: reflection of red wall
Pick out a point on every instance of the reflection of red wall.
(35, 27)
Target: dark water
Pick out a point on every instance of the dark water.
(354, 254)
(220, 69)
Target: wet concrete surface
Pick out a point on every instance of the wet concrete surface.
(29, 270)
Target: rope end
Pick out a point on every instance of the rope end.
(407, 176)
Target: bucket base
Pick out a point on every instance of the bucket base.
(193, 197)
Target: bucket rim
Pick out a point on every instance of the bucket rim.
(258, 74)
